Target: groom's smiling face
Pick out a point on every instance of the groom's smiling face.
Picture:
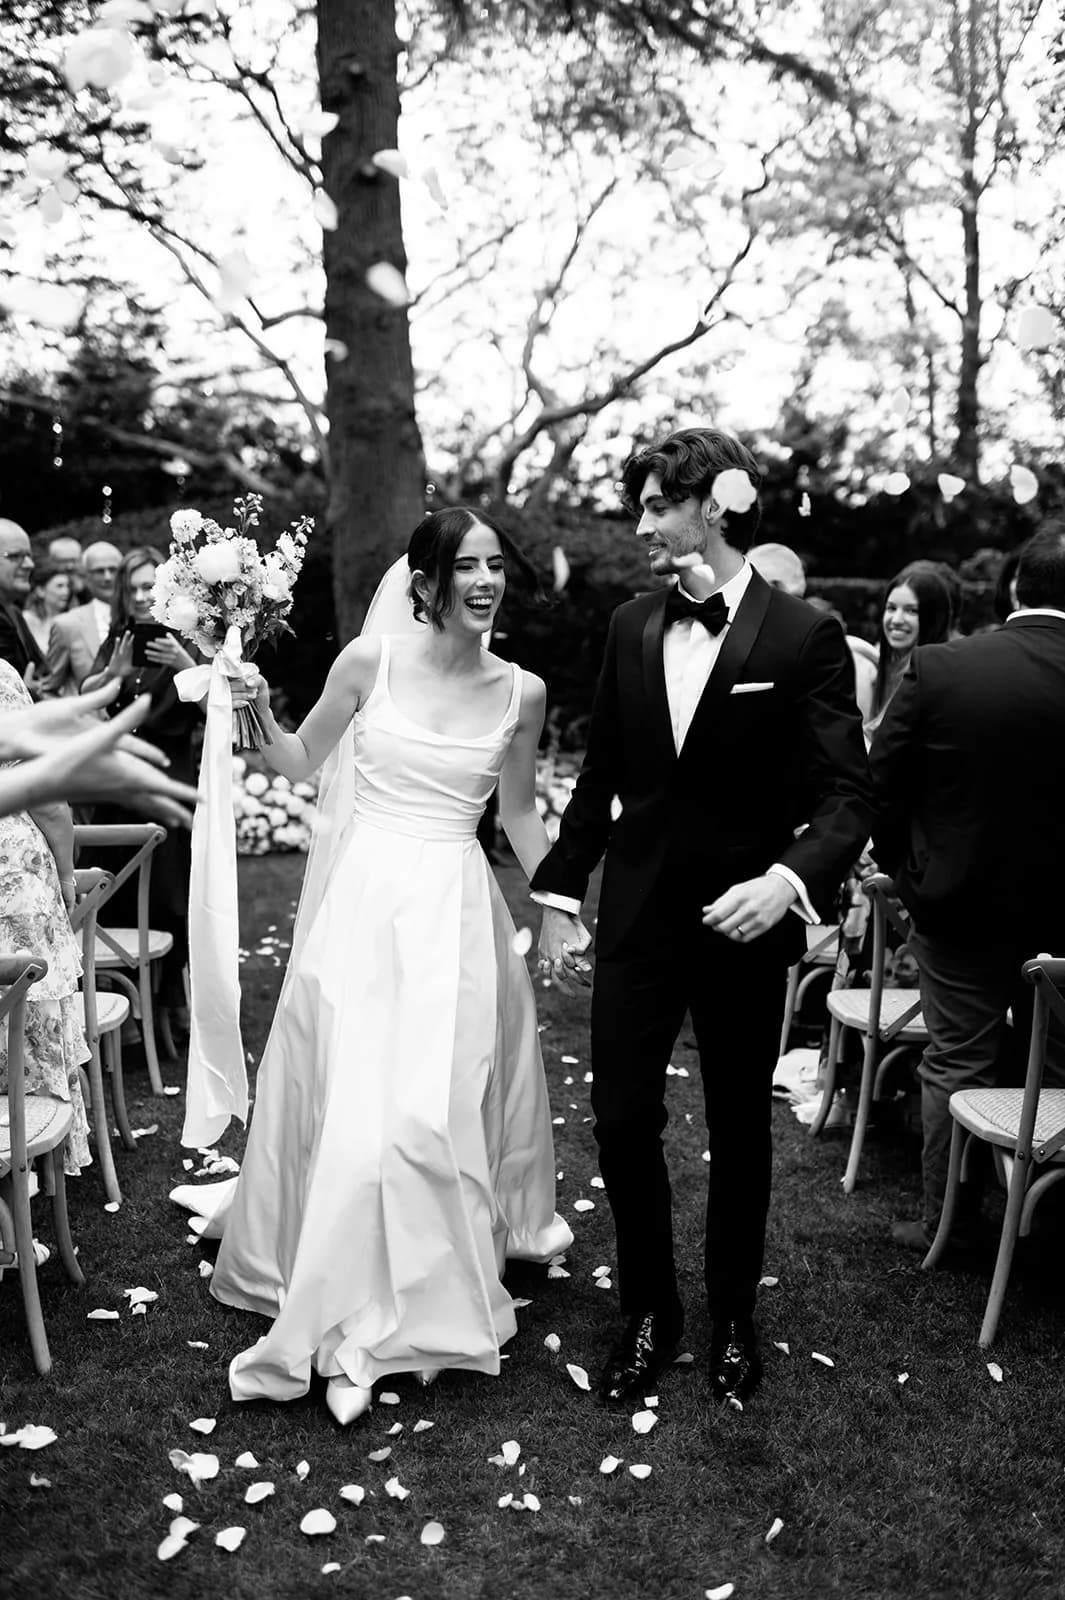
(670, 528)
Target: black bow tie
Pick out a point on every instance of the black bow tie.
(712, 613)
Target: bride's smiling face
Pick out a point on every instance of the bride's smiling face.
(477, 582)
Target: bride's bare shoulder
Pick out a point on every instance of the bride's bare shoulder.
(355, 668)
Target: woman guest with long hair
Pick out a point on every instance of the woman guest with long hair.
(916, 610)
(145, 661)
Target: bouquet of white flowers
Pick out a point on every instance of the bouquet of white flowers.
(217, 579)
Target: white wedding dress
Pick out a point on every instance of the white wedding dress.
(400, 1145)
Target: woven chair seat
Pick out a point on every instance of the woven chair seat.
(47, 1123)
(995, 1115)
(111, 1010)
(851, 1007)
(159, 944)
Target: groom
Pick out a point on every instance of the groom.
(726, 781)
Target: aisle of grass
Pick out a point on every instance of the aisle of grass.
(947, 1484)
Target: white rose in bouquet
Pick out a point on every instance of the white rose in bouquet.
(281, 783)
(256, 783)
(295, 805)
(180, 613)
(218, 562)
(278, 816)
(185, 524)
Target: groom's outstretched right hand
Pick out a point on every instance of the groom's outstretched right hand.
(563, 942)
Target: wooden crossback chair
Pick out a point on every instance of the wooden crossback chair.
(132, 950)
(105, 1012)
(884, 1014)
(822, 950)
(33, 1128)
(1026, 1131)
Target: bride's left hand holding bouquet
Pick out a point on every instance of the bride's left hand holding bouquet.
(219, 590)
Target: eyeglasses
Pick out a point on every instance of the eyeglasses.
(17, 555)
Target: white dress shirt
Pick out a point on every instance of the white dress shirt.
(101, 610)
(689, 655)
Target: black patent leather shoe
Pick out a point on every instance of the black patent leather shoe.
(648, 1344)
(735, 1365)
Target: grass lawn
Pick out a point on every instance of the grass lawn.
(947, 1484)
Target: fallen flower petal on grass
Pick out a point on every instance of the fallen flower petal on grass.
(584, 1205)
(510, 1451)
(640, 1469)
(685, 1359)
(246, 1459)
(331, 1566)
(39, 1482)
(204, 1424)
(230, 1538)
(609, 1464)
(380, 1455)
(604, 1283)
(397, 1427)
(774, 1528)
(396, 1490)
(113, 1206)
(197, 1344)
(354, 1493)
(530, 1502)
(644, 1421)
(722, 1592)
(389, 1398)
(177, 1538)
(504, 1501)
(557, 1272)
(206, 1268)
(318, 1521)
(768, 1283)
(421, 1425)
(995, 1370)
(140, 1296)
(781, 1344)
(432, 1533)
(826, 1361)
(903, 1377)
(579, 1376)
(258, 1491)
(553, 1343)
(173, 1502)
(302, 1469)
(101, 1316)
(200, 1468)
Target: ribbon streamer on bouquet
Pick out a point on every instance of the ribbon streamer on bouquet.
(217, 1087)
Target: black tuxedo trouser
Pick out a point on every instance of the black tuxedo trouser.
(667, 965)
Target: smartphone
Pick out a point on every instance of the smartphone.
(143, 633)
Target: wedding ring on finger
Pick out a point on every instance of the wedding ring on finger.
(739, 933)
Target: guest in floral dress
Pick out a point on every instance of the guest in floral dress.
(36, 895)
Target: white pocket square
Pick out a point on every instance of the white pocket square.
(751, 688)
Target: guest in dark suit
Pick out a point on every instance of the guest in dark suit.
(17, 644)
(726, 781)
(969, 775)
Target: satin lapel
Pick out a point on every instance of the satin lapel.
(654, 677)
(739, 642)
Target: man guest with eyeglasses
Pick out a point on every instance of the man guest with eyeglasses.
(17, 644)
(78, 634)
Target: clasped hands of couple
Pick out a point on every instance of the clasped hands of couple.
(742, 914)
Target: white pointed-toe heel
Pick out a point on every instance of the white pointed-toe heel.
(347, 1400)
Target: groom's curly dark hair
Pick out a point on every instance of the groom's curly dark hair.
(686, 464)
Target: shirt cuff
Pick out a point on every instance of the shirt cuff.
(556, 902)
(802, 907)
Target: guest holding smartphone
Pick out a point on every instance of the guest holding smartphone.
(144, 656)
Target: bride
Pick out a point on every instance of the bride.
(400, 1148)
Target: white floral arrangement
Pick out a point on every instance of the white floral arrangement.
(271, 813)
(217, 579)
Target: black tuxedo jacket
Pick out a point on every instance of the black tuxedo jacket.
(756, 766)
(17, 644)
(969, 774)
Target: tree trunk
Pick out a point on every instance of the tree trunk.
(967, 449)
(376, 468)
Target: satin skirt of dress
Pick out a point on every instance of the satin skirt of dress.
(400, 1146)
